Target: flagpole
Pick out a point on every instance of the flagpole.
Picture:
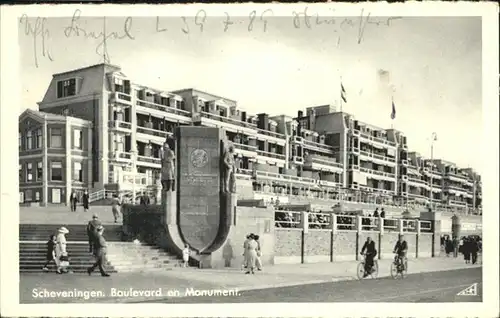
(341, 93)
(392, 105)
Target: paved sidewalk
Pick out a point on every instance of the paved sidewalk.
(204, 279)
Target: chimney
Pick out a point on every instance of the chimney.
(263, 121)
(244, 116)
(300, 114)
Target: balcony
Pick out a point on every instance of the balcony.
(418, 181)
(122, 156)
(377, 173)
(378, 140)
(270, 136)
(457, 203)
(268, 154)
(154, 132)
(322, 163)
(286, 179)
(245, 150)
(374, 156)
(456, 177)
(158, 110)
(234, 125)
(119, 125)
(330, 184)
(148, 161)
(121, 98)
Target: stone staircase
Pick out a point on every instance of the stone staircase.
(122, 256)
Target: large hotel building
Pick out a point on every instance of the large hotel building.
(96, 129)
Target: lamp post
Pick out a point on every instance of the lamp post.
(431, 195)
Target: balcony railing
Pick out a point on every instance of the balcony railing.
(270, 133)
(377, 156)
(313, 144)
(238, 145)
(120, 124)
(122, 97)
(284, 177)
(228, 120)
(324, 161)
(377, 172)
(122, 155)
(417, 180)
(458, 176)
(270, 154)
(148, 159)
(153, 132)
(163, 108)
(377, 139)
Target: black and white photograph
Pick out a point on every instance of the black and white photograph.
(268, 155)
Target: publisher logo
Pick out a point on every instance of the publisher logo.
(469, 291)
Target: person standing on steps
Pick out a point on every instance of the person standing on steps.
(92, 231)
(51, 252)
(99, 253)
(61, 247)
(85, 200)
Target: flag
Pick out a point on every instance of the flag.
(342, 93)
(393, 113)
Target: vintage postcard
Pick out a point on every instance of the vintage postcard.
(250, 160)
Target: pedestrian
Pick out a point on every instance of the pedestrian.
(61, 247)
(245, 247)
(258, 261)
(51, 252)
(251, 255)
(99, 253)
(382, 213)
(185, 255)
(474, 249)
(115, 207)
(455, 246)
(92, 231)
(85, 200)
(73, 199)
(144, 199)
(375, 214)
(466, 250)
(448, 246)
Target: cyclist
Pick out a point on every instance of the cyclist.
(370, 254)
(400, 250)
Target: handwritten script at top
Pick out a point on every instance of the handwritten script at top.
(201, 22)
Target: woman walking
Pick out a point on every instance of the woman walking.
(51, 252)
(251, 254)
(61, 247)
(85, 201)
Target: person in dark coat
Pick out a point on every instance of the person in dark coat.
(73, 200)
(448, 246)
(375, 214)
(371, 252)
(85, 201)
(51, 252)
(144, 199)
(92, 231)
(474, 248)
(99, 253)
(382, 213)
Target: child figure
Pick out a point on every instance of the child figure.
(51, 252)
(185, 255)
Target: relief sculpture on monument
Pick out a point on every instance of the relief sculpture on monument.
(167, 168)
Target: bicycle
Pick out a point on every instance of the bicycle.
(399, 267)
(361, 269)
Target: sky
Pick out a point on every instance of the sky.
(432, 65)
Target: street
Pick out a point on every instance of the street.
(427, 287)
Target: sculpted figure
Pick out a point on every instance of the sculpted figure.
(229, 180)
(167, 168)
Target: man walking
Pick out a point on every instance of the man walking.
(371, 252)
(72, 201)
(99, 253)
(92, 231)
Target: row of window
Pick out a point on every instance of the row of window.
(56, 172)
(34, 139)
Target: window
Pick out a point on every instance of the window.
(20, 141)
(39, 171)
(78, 172)
(29, 172)
(20, 172)
(56, 171)
(56, 138)
(29, 140)
(66, 88)
(37, 196)
(39, 141)
(77, 138)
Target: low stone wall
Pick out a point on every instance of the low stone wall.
(293, 246)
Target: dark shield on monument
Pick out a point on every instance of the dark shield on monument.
(199, 185)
